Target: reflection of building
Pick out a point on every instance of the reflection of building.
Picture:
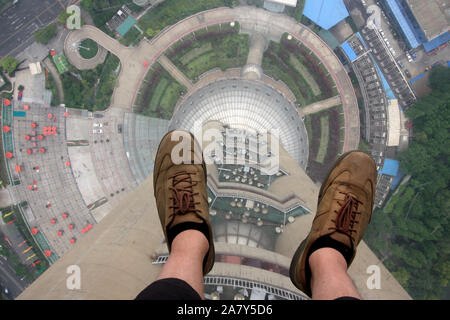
(252, 209)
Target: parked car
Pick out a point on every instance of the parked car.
(98, 125)
(408, 74)
(97, 131)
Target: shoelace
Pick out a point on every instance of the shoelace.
(183, 197)
(346, 215)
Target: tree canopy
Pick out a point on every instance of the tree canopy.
(9, 64)
(412, 230)
(44, 35)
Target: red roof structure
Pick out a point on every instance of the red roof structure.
(53, 221)
(27, 137)
(42, 150)
(26, 107)
(65, 215)
(48, 253)
(33, 125)
(34, 230)
(66, 114)
(71, 226)
(9, 155)
(6, 128)
(49, 116)
(73, 240)
(18, 168)
(67, 163)
(6, 102)
(60, 233)
(29, 151)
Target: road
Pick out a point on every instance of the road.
(19, 22)
(8, 280)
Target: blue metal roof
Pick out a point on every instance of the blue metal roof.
(126, 26)
(349, 51)
(325, 13)
(436, 42)
(404, 23)
(390, 167)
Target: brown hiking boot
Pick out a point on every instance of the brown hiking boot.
(343, 212)
(180, 191)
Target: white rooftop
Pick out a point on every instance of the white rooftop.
(35, 68)
(291, 3)
(394, 125)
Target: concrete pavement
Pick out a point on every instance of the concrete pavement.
(319, 106)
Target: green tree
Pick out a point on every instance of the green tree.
(63, 16)
(44, 35)
(9, 64)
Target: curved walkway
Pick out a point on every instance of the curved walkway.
(136, 61)
(73, 55)
(51, 68)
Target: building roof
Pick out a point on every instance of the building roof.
(291, 3)
(126, 25)
(349, 51)
(390, 167)
(35, 68)
(431, 18)
(436, 42)
(325, 13)
(393, 115)
(404, 23)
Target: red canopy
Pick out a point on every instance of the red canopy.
(42, 150)
(71, 226)
(27, 137)
(6, 102)
(9, 155)
(48, 253)
(53, 221)
(29, 151)
(65, 215)
(41, 137)
(60, 233)
(66, 114)
(26, 107)
(34, 230)
(6, 128)
(73, 240)
(34, 125)
(18, 168)
(67, 163)
(145, 63)
(30, 187)
(49, 116)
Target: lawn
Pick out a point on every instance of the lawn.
(88, 48)
(219, 46)
(172, 11)
(324, 139)
(305, 74)
(159, 94)
(60, 63)
(132, 37)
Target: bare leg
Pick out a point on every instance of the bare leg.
(186, 259)
(329, 278)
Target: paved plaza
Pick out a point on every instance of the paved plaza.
(46, 180)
